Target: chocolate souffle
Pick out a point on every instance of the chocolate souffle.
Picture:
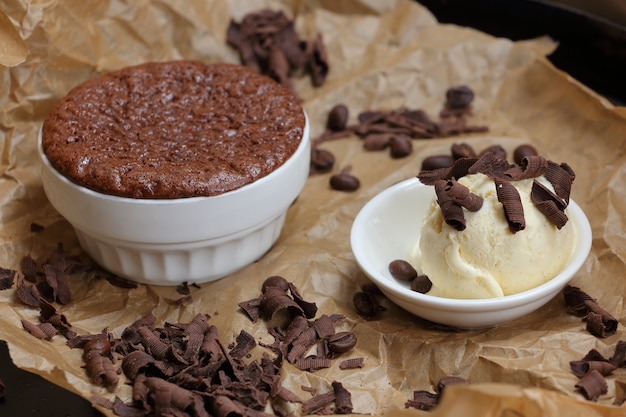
(173, 130)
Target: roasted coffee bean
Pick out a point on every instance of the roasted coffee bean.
(400, 146)
(99, 344)
(376, 141)
(366, 304)
(523, 151)
(402, 270)
(337, 118)
(275, 281)
(341, 342)
(437, 161)
(344, 182)
(462, 150)
(497, 150)
(421, 284)
(459, 97)
(322, 160)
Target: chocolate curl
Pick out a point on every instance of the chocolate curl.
(459, 168)
(582, 367)
(319, 61)
(245, 343)
(561, 177)
(592, 385)
(318, 402)
(619, 356)
(451, 211)
(492, 166)
(343, 399)
(195, 331)
(423, 400)
(27, 294)
(512, 203)
(600, 322)
(547, 202)
(43, 331)
(461, 195)
(352, 363)
(532, 166)
(275, 299)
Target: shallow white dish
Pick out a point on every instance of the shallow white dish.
(167, 242)
(388, 227)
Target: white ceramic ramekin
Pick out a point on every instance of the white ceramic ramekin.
(167, 242)
(388, 227)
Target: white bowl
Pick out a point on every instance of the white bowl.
(388, 227)
(167, 242)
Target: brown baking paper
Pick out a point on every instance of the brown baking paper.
(383, 55)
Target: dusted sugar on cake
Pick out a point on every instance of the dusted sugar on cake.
(173, 130)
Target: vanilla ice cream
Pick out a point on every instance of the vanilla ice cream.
(486, 259)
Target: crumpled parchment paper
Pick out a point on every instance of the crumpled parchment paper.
(383, 55)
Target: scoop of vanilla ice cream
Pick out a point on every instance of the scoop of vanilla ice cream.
(486, 259)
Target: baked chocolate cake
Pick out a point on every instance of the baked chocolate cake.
(173, 130)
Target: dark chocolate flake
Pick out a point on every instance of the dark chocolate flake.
(592, 385)
(549, 204)
(510, 199)
(351, 363)
(451, 211)
(423, 400)
(7, 278)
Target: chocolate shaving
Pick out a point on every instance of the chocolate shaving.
(351, 363)
(592, 385)
(44, 331)
(343, 398)
(531, 166)
(492, 166)
(459, 168)
(312, 363)
(27, 294)
(561, 176)
(619, 356)
(7, 278)
(451, 211)
(28, 266)
(423, 400)
(549, 204)
(582, 367)
(600, 322)
(245, 343)
(318, 402)
(512, 204)
(461, 195)
(58, 280)
(268, 43)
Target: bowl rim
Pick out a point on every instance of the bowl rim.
(578, 257)
(303, 146)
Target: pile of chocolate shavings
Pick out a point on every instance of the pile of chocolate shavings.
(453, 197)
(301, 332)
(594, 367)
(426, 400)
(268, 43)
(600, 322)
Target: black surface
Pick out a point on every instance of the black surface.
(590, 49)
(29, 395)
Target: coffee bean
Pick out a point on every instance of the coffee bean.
(462, 150)
(402, 270)
(437, 161)
(376, 141)
(322, 160)
(523, 151)
(497, 150)
(341, 342)
(459, 97)
(337, 118)
(366, 304)
(344, 182)
(421, 284)
(400, 146)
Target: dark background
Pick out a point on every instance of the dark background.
(591, 49)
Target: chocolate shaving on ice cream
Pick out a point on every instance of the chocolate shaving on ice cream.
(551, 204)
